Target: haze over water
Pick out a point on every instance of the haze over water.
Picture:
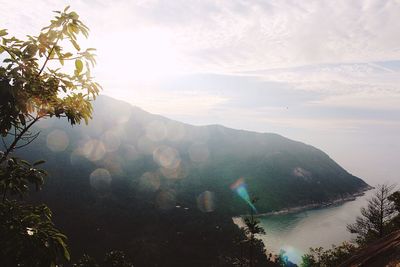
(296, 233)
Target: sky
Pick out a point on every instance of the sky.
(325, 73)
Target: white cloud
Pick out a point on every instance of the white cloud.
(363, 100)
(322, 71)
(248, 35)
(171, 103)
(238, 35)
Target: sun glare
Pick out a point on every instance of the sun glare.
(152, 55)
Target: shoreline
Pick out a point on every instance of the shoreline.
(291, 210)
(273, 241)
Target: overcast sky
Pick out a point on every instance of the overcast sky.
(322, 72)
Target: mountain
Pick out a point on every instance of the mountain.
(154, 153)
(151, 185)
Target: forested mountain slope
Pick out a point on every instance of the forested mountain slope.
(160, 189)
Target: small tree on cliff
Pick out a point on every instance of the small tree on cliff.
(374, 220)
(395, 222)
(251, 230)
(33, 87)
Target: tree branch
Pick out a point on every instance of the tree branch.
(17, 138)
(31, 139)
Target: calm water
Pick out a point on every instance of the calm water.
(296, 233)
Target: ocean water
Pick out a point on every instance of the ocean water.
(296, 233)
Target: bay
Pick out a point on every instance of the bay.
(295, 233)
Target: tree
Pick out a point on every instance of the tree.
(395, 198)
(395, 222)
(117, 258)
(319, 257)
(33, 87)
(251, 230)
(86, 261)
(374, 220)
(114, 258)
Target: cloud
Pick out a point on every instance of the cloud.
(172, 103)
(249, 35)
(363, 100)
(325, 72)
(241, 35)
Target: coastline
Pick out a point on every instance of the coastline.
(297, 235)
(338, 201)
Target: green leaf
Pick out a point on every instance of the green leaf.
(61, 242)
(75, 44)
(25, 163)
(39, 162)
(74, 15)
(78, 65)
(3, 32)
(60, 56)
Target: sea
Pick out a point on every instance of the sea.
(295, 233)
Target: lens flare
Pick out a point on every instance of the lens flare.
(130, 153)
(167, 157)
(206, 201)
(94, 150)
(111, 141)
(179, 172)
(45, 123)
(166, 199)
(113, 163)
(150, 182)
(292, 254)
(156, 131)
(240, 188)
(57, 141)
(198, 152)
(100, 178)
(145, 145)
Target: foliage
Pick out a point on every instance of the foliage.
(31, 90)
(253, 227)
(16, 175)
(117, 259)
(375, 218)
(395, 222)
(29, 237)
(282, 259)
(33, 87)
(378, 218)
(251, 230)
(395, 198)
(86, 261)
(319, 257)
(114, 258)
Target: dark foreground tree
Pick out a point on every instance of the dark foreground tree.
(319, 257)
(395, 222)
(395, 198)
(33, 87)
(113, 258)
(252, 229)
(375, 218)
(86, 261)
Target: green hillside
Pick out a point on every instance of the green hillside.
(150, 185)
